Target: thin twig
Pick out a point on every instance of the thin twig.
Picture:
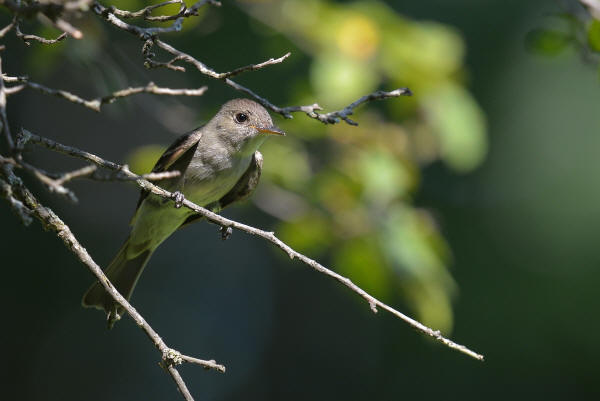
(593, 6)
(269, 236)
(176, 358)
(55, 182)
(144, 12)
(311, 110)
(30, 8)
(3, 119)
(62, 25)
(16, 205)
(91, 171)
(81, 172)
(149, 61)
(44, 177)
(97, 103)
(142, 33)
(200, 66)
(27, 37)
(8, 27)
(335, 116)
(206, 364)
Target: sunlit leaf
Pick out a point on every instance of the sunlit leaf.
(339, 79)
(358, 37)
(384, 177)
(288, 163)
(418, 255)
(460, 126)
(309, 234)
(361, 259)
(546, 41)
(594, 35)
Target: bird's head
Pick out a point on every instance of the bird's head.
(244, 124)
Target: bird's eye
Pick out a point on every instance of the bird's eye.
(241, 117)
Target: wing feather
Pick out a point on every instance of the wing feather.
(181, 150)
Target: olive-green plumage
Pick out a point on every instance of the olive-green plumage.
(219, 164)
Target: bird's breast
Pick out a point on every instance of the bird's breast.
(210, 176)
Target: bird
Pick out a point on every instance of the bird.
(219, 164)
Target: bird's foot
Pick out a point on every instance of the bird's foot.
(113, 316)
(178, 198)
(226, 232)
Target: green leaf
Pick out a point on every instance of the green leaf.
(361, 259)
(308, 234)
(594, 35)
(460, 126)
(546, 41)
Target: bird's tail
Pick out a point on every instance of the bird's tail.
(123, 273)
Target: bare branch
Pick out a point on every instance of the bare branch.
(200, 66)
(269, 236)
(96, 104)
(176, 358)
(13, 89)
(52, 222)
(54, 182)
(51, 184)
(149, 61)
(61, 25)
(49, 8)
(11, 80)
(153, 89)
(82, 172)
(593, 6)
(145, 12)
(91, 171)
(3, 120)
(335, 116)
(142, 33)
(147, 34)
(179, 382)
(206, 364)
(16, 205)
(311, 111)
(157, 176)
(8, 27)
(26, 37)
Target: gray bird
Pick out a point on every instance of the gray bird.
(219, 164)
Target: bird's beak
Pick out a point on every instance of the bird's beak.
(272, 130)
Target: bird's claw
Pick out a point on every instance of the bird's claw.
(113, 316)
(226, 232)
(178, 198)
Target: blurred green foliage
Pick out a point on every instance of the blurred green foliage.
(522, 229)
(355, 185)
(594, 35)
(547, 41)
(578, 28)
(359, 182)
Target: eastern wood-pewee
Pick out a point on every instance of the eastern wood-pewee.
(219, 164)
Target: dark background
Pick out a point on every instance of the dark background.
(522, 229)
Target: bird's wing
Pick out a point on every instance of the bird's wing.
(176, 157)
(242, 189)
